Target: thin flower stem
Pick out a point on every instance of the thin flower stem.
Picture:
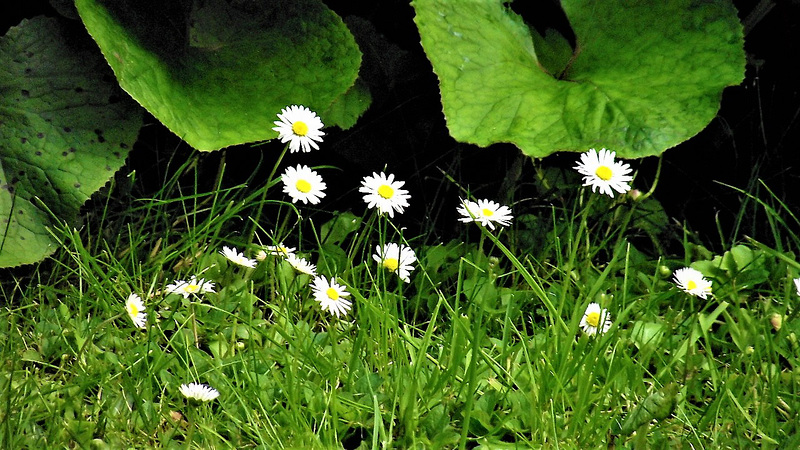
(472, 376)
(194, 327)
(252, 232)
(655, 180)
(584, 226)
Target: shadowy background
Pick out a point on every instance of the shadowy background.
(755, 135)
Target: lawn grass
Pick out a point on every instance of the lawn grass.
(483, 348)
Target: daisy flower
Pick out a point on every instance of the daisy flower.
(396, 258)
(692, 282)
(384, 193)
(135, 308)
(596, 320)
(601, 172)
(198, 391)
(797, 285)
(237, 258)
(303, 184)
(193, 286)
(301, 265)
(300, 127)
(331, 296)
(275, 250)
(485, 212)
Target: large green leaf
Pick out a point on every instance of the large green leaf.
(65, 128)
(645, 76)
(216, 73)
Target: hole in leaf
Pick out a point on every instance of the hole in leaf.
(553, 37)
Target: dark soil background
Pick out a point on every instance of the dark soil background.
(755, 135)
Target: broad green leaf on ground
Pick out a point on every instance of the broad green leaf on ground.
(217, 74)
(65, 129)
(645, 76)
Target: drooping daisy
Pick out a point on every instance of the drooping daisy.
(596, 320)
(797, 285)
(303, 184)
(384, 193)
(485, 212)
(237, 258)
(193, 286)
(331, 296)
(301, 265)
(600, 171)
(692, 282)
(396, 258)
(275, 250)
(198, 391)
(135, 308)
(300, 127)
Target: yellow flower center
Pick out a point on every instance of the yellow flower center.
(691, 285)
(300, 128)
(192, 288)
(385, 191)
(604, 173)
(303, 186)
(332, 293)
(391, 264)
(133, 310)
(487, 212)
(593, 319)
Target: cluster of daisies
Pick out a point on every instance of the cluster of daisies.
(597, 320)
(301, 128)
(331, 296)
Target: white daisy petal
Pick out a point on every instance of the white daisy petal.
(596, 320)
(303, 184)
(384, 193)
(331, 296)
(692, 282)
(485, 212)
(301, 265)
(192, 286)
(135, 309)
(198, 391)
(237, 258)
(300, 127)
(797, 285)
(600, 171)
(396, 258)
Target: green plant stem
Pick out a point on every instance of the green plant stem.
(264, 191)
(472, 375)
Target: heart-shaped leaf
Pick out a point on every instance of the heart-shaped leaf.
(217, 73)
(645, 74)
(65, 129)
